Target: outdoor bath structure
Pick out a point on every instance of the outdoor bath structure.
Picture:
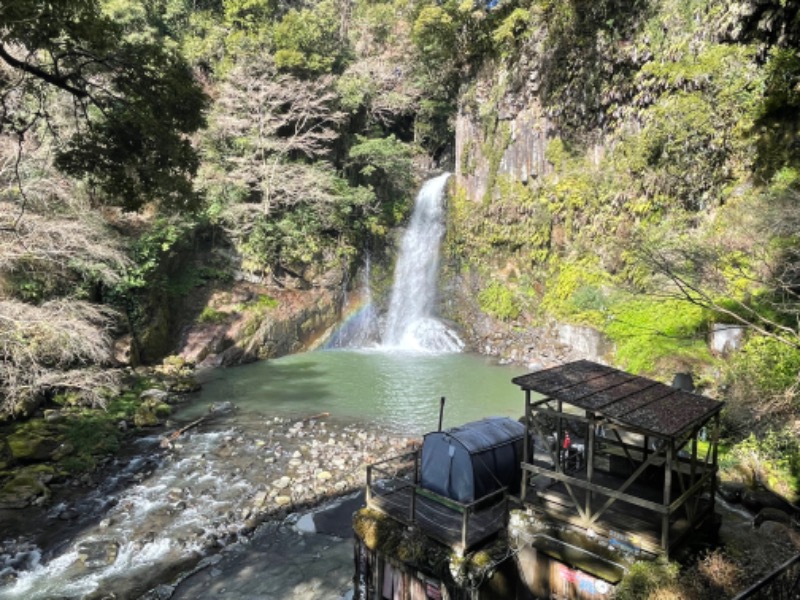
(605, 468)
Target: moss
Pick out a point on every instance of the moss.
(649, 331)
(211, 315)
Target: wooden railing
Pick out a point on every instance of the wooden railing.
(782, 584)
(393, 488)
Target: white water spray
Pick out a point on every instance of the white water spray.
(411, 323)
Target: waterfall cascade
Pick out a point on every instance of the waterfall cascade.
(411, 323)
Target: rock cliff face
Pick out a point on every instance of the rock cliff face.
(522, 157)
(505, 138)
(256, 323)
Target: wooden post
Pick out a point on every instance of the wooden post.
(692, 476)
(413, 507)
(714, 443)
(559, 436)
(667, 497)
(526, 447)
(589, 457)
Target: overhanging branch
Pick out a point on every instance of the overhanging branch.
(61, 82)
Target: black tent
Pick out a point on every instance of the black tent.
(469, 462)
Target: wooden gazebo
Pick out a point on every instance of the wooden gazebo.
(640, 466)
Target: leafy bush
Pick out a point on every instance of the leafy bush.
(762, 381)
(499, 301)
(772, 459)
(648, 579)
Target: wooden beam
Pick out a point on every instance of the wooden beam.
(635, 500)
(559, 414)
(633, 477)
(690, 492)
(559, 436)
(526, 449)
(667, 495)
(589, 458)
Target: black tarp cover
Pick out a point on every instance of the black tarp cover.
(469, 462)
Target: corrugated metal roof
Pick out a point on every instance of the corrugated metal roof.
(633, 401)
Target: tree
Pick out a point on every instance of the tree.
(134, 101)
(308, 42)
(264, 119)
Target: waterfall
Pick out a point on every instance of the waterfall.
(410, 322)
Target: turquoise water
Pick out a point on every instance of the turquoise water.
(396, 390)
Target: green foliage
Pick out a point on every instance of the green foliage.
(307, 41)
(576, 292)
(646, 578)
(212, 316)
(386, 163)
(765, 371)
(778, 124)
(131, 139)
(498, 301)
(151, 249)
(648, 331)
(511, 31)
(772, 458)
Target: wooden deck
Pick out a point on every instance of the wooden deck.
(457, 525)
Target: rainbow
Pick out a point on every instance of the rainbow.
(358, 326)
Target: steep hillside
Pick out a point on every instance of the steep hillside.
(632, 168)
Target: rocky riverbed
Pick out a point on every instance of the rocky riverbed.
(159, 512)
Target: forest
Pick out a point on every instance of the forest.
(154, 151)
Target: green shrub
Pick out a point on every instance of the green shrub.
(499, 301)
(647, 578)
(772, 459)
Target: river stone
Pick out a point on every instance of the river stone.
(324, 475)
(282, 483)
(155, 394)
(283, 500)
(97, 554)
(54, 416)
(731, 491)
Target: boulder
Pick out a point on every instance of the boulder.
(32, 445)
(756, 500)
(732, 491)
(775, 515)
(25, 486)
